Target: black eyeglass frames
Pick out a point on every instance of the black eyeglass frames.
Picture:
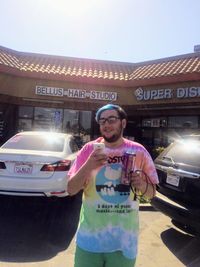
(110, 120)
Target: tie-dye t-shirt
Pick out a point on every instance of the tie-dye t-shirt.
(109, 216)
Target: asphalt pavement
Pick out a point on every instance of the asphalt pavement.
(161, 244)
(34, 232)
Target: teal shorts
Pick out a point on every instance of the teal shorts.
(113, 259)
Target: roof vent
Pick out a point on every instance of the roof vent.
(196, 48)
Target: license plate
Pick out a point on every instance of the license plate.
(173, 179)
(23, 168)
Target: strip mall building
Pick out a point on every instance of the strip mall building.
(46, 92)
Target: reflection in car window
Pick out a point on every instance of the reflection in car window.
(187, 152)
(36, 142)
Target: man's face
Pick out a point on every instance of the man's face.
(111, 129)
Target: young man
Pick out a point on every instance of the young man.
(108, 228)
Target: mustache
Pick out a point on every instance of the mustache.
(114, 137)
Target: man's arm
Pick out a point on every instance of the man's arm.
(79, 179)
(144, 180)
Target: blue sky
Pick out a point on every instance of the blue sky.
(118, 30)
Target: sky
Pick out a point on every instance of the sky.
(118, 30)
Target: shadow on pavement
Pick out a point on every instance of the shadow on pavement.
(35, 229)
(185, 247)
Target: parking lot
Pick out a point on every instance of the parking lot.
(35, 232)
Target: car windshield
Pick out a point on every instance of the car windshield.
(36, 142)
(184, 151)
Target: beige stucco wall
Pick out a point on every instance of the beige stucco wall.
(24, 88)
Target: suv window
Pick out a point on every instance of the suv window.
(185, 151)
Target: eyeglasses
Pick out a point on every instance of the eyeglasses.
(110, 120)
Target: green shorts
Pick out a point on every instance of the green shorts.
(89, 259)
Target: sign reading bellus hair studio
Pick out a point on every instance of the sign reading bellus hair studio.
(166, 93)
(75, 93)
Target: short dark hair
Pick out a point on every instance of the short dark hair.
(121, 113)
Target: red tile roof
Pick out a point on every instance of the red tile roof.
(179, 68)
(173, 69)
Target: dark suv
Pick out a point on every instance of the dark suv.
(178, 192)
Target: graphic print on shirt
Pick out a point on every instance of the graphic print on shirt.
(108, 184)
(109, 215)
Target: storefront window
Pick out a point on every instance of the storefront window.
(155, 122)
(160, 138)
(74, 122)
(24, 125)
(146, 123)
(85, 125)
(26, 112)
(147, 137)
(70, 121)
(183, 122)
(1, 124)
(78, 123)
(48, 119)
(25, 115)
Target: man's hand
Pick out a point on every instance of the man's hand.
(96, 159)
(142, 185)
(137, 181)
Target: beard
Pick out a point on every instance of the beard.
(114, 137)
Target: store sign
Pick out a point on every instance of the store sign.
(166, 93)
(76, 93)
(50, 91)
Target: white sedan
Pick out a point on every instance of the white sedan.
(36, 164)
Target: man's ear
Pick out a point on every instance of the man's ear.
(124, 122)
